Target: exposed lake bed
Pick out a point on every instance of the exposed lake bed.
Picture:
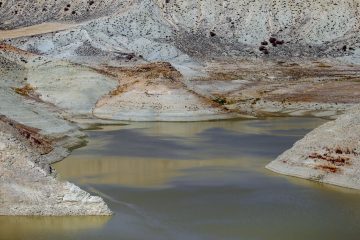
(200, 180)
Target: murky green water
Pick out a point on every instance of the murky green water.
(196, 181)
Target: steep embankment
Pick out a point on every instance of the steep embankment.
(26, 184)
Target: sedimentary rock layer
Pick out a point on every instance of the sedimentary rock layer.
(155, 92)
(174, 30)
(26, 184)
(329, 154)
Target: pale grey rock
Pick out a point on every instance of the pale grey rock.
(179, 31)
(159, 100)
(328, 154)
(26, 188)
(75, 89)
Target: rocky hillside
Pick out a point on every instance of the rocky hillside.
(16, 14)
(176, 29)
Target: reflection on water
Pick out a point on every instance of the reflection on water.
(197, 181)
(152, 154)
(137, 172)
(48, 227)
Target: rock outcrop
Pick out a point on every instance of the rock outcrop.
(26, 184)
(329, 154)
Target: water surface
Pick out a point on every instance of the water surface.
(197, 181)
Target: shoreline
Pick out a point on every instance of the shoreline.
(74, 142)
(61, 64)
(28, 185)
(328, 154)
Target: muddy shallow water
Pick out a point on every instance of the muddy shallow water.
(196, 181)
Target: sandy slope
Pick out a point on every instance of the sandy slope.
(34, 30)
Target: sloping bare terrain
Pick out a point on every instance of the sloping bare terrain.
(329, 154)
(34, 30)
(26, 184)
(263, 88)
(154, 92)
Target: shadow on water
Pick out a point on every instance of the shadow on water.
(198, 181)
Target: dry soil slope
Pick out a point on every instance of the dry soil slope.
(17, 14)
(163, 30)
(26, 184)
